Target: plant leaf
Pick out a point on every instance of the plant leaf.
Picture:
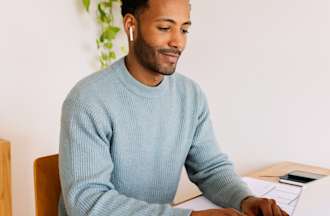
(123, 49)
(110, 33)
(86, 4)
(112, 55)
(100, 9)
(108, 45)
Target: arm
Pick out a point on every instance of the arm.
(86, 167)
(209, 168)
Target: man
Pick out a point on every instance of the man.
(128, 130)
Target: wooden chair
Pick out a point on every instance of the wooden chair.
(46, 185)
(5, 179)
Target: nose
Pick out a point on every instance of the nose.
(178, 40)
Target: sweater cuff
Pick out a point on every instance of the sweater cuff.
(238, 197)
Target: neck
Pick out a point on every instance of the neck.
(140, 73)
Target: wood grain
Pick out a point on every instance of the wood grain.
(47, 185)
(272, 173)
(5, 179)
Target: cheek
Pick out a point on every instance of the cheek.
(156, 39)
(158, 43)
(185, 39)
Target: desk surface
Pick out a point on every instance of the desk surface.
(270, 173)
(273, 172)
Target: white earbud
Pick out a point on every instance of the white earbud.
(130, 29)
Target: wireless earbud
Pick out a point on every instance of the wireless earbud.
(130, 29)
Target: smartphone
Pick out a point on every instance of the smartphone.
(299, 178)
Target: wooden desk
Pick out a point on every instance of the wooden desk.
(273, 172)
(270, 173)
(5, 179)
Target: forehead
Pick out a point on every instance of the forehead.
(177, 10)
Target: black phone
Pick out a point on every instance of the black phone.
(299, 178)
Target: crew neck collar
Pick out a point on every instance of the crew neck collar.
(136, 86)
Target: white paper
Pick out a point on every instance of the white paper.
(286, 196)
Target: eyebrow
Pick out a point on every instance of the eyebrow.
(172, 21)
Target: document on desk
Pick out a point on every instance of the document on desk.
(286, 196)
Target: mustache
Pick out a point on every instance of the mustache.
(170, 51)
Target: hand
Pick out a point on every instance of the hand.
(218, 212)
(254, 206)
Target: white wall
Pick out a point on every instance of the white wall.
(45, 48)
(264, 65)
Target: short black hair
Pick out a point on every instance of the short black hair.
(133, 6)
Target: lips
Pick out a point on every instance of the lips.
(170, 57)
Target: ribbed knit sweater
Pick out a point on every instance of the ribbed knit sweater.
(123, 146)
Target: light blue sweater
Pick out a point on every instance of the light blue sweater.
(123, 146)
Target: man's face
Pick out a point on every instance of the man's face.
(162, 34)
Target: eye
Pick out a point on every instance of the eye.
(164, 29)
(184, 31)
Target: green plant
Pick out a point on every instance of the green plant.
(108, 30)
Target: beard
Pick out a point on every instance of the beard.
(151, 57)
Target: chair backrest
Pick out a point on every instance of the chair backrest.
(5, 179)
(46, 185)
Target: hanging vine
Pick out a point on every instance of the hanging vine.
(108, 30)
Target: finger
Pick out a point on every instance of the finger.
(284, 213)
(265, 207)
(233, 212)
(276, 209)
(249, 213)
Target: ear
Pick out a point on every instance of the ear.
(129, 22)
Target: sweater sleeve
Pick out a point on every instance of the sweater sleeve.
(86, 166)
(209, 168)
